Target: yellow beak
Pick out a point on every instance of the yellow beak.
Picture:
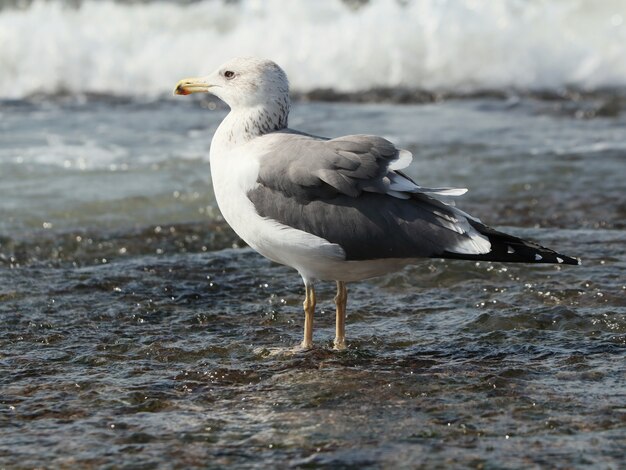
(191, 85)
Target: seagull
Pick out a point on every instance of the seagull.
(333, 209)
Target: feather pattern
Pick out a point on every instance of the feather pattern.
(311, 184)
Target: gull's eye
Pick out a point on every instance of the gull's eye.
(229, 74)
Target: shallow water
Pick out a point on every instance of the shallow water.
(137, 330)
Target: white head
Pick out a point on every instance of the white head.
(242, 82)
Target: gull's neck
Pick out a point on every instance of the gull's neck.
(243, 124)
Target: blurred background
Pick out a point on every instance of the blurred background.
(139, 48)
(136, 330)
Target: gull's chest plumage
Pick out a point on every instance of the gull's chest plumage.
(234, 171)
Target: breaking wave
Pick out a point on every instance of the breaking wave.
(463, 45)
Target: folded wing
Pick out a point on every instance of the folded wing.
(348, 191)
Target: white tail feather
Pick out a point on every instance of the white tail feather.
(404, 159)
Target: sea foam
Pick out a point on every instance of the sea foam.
(460, 45)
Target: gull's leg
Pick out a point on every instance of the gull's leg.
(340, 329)
(309, 310)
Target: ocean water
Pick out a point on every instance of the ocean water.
(137, 330)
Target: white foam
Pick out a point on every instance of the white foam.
(463, 45)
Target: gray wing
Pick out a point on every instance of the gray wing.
(308, 168)
(305, 166)
(347, 191)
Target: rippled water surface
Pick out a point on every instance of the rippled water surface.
(137, 330)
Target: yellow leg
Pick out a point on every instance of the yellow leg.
(340, 329)
(309, 310)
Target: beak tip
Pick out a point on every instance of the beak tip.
(180, 90)
(188, 86)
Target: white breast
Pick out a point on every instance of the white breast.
(234, 170)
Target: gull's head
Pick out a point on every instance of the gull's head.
(241, 82)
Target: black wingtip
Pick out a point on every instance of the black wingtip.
(562, 259)
(509, 249)
(546, 255)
